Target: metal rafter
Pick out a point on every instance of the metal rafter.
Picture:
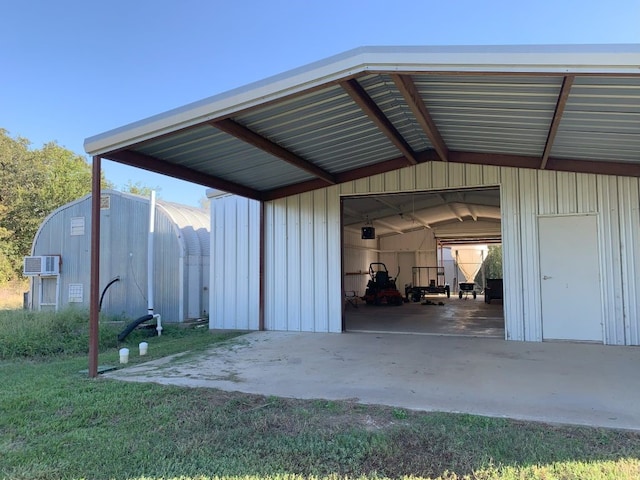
(390, 226)
(454, 212)
(243, 133)
(411, 95)
(473, 213)
(152, 164)
(409, 215)
(368, 106)
(557, 117)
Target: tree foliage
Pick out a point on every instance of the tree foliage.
(138, 188)
(33, 183)
(492, 264)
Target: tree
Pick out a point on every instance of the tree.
(33, 183)
(492, 264)
(139, 188)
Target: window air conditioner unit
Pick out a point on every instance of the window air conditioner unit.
(41, 265)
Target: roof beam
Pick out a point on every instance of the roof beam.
(343, 177)
(152, 164)
(411, 95)
(557, 117)
(454, 212)
(475, 158)
(372, 218)
(403, 214)
(243, 133)
(598, 167)
(472, 212)
(389, 226)
(368, 106)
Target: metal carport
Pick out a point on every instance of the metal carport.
(377, 109)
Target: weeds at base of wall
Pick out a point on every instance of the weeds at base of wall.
(28, 334)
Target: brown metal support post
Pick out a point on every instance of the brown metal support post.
(95, 269)
(262, 264)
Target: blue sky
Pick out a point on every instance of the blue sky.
(72, 69)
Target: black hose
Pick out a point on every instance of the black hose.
(117, 279)
(129, 328)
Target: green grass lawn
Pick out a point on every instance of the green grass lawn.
(57, 423)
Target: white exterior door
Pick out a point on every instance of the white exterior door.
(570, 278)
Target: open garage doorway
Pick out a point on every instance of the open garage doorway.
(423, 263)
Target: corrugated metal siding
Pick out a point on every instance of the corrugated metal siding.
(297, 268)
(235, 264)
(303, 244)
(531, 308)
(192, 231)
(526, 194)
(169, 270)
(512, 255)
(610, 261)
(629, 201)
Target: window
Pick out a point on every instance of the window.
(75, 292)
(77, 226)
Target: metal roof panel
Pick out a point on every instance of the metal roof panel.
(324, 127)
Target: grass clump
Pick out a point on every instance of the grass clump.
(29, 334)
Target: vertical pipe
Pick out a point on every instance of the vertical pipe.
(150, 254)
(95, 268)
(261, 262)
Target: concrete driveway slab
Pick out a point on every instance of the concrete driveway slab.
(570, 383)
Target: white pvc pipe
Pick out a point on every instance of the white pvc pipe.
(158, 323)
(150, 254)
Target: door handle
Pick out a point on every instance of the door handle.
(545, 277)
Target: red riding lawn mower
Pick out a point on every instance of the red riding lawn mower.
(381, 288)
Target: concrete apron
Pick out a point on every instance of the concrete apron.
(550, 382)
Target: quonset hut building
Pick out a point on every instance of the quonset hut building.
(59, 267)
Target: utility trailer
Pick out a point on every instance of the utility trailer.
(426, 281)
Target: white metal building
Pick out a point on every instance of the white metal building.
(550, 135)
(180, 251)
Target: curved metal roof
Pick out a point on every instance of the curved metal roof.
(194, 225)
(375, 109)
